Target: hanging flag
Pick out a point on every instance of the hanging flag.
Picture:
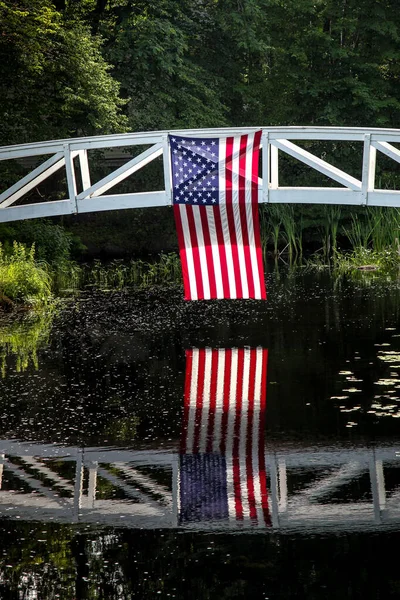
(222, 462)
(215, 197)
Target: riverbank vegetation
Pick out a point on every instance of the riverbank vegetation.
(34, 273)
(72, 69)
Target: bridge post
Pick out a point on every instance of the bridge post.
(368, 168)
(71, 179)
(175, 490)
(2, 460)
(78, 485)
(92, 466)
(167, 168)
(274, 175)
(84, 165)
(265, 164)
(377, 487)
(274, 493)
(283, 499)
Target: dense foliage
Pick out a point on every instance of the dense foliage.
(73, 67)
(22, 279)
(66, 64)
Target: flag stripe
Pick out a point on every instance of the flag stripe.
(199, 401)
(194, 243)
(224, 416)
(214, 259)
(241, 223)
(219, 400)
(221, 251)
(232, 154)
(254, 203)
(184, 252)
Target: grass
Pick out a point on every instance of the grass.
(118, 274)
(22, 279)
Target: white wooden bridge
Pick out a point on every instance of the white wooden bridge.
(23, 199)
(32, 488)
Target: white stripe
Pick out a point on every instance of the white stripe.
(236, 215)
(224, 220)
(229, 488)
(249, 218)
(189, 252)
(256, 436)
(192, 401)
(258, 379)
(249, 166)
(235, 169)
(219, 401)
(228, 252)
(221, 171)
(205, 411)
(240, 248)
(243, 435)
(215, 251)
(230, 430)
(253, 252)
(202, 252)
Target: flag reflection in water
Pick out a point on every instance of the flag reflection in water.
(222, 460)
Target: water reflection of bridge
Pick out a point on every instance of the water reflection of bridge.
(309, 489)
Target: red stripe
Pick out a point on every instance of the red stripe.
(249, 436)
(243, 216)
(226, 392)
(213, 400)
(209, 256)
(186, 399)
(222, 251)
(261, 449)
(199, 400)
(230, 215)
(196, 254)
(182, 252)
(254, 201)
(236, 439)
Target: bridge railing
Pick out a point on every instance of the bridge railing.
(84, 195)
(320, 501)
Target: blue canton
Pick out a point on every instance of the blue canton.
(194, 170)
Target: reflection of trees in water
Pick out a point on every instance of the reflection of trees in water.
(123, 564)
(20, 339)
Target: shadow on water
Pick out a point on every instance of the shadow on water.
(148, 449)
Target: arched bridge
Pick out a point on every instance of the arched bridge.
(306, 147)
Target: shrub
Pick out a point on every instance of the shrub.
(22, 279)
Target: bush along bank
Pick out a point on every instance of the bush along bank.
(23, 280)
(36, 266)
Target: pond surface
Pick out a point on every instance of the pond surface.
(152, 448)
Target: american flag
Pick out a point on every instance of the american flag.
(215, 196)
(222, 462)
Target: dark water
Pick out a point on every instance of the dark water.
(109, 489)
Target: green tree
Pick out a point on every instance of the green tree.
(55, 82)
(153, 47)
